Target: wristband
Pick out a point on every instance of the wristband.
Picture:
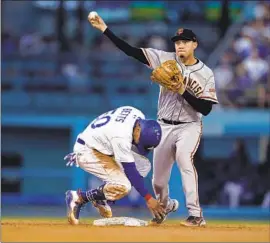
(147, 196)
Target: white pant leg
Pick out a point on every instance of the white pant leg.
(164, 157)
(188, 141)
(109, 172)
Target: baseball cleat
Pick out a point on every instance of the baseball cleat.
(173, 206)
(74, 205)
(193, 221)
(103, 208)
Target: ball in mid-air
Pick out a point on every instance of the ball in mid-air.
(92, 14)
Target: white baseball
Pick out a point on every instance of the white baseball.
(92, 14)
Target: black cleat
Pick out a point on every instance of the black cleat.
(193, 221)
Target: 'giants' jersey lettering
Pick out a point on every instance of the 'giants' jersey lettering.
(194, 86)
(199, 80)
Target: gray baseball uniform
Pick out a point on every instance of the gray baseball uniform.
(180, 142)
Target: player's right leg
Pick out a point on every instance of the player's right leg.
(186, 147)
(163, 159)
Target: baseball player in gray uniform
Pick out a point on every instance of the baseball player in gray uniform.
(180, 117)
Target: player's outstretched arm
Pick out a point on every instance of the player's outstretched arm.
(136, 181)
(98, 23)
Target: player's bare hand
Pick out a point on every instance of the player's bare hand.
(156, 208)
(98, 23)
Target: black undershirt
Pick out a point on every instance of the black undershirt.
(200, 105)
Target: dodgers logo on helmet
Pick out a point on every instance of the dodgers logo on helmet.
(150, 136)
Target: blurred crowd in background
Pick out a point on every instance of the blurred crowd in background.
(70, 54)
(60, 53)
(243, 75)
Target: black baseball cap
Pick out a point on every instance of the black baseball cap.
(184, 34)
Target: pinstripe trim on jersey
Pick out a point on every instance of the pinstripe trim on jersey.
(180, 64)
(195, 171)
(147, 57)
(197, 69)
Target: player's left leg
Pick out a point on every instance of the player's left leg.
(164, 157)
(186, 146)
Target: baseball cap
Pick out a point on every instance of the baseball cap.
(184, 34)
(150, 136)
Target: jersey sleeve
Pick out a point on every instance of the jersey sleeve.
(153, 56)
(209, 92)
(122, 150)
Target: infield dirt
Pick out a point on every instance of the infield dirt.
(58, 230)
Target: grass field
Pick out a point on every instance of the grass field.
(58, 230)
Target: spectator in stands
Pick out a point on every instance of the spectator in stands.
(250, 29)
(261, 10)
(251, 52)
(243, 45)
(242, 79)
(224, 80)
(77, 81)
(256, 67)
(224, 73)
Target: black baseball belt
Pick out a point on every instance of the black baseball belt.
(172, 122)
(80, 141)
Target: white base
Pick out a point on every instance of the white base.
(126, 221)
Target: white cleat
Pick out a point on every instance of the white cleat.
(74, 205)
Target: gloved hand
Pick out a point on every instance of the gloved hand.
(72, 159)
(156, 208)
(169, 76)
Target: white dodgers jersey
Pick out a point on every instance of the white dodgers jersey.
(112, 133)
(199, 80)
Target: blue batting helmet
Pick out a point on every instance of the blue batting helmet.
(150, 136)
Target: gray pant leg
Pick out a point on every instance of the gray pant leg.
(186, 147)
(164, 157)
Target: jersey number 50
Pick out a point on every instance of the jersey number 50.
(102, 119)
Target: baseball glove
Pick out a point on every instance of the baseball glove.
(169, 76)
